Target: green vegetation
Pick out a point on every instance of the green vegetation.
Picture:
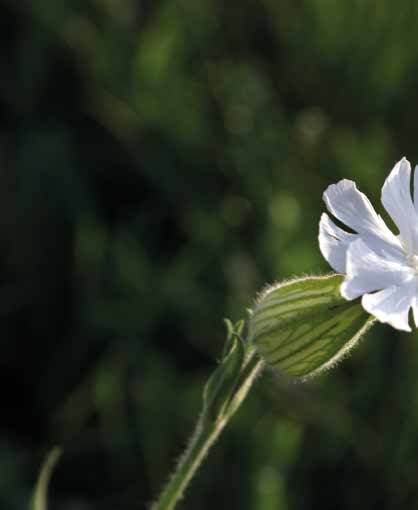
(161, 161)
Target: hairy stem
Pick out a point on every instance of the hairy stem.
(204, 436)
(201, 441)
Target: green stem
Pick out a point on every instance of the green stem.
(205, 435)
(251, 369)
(202, 439)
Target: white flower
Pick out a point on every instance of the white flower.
(379, 265)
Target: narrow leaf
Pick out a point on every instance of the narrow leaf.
(229, 338)
(41, 489)
(221, 385)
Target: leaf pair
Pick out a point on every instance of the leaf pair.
(220, 388)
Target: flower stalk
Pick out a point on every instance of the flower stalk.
(202, 439)
(299, 328)
(213, 419)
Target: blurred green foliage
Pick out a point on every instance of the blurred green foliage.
(160, 161)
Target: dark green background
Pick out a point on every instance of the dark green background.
(160, 161)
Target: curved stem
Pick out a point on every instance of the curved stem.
(205, 435)
(202, 439)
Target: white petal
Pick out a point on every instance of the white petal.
(333, 243)
(354, 209)
(388, 249)
(416, 188)
(415, 309)
(368, 271)
(397, 200)
(392, 305)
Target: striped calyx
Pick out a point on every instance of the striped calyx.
(305, 326)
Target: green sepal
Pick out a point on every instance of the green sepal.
(305, 326)
(221, 385)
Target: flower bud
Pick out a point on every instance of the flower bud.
(304, 326)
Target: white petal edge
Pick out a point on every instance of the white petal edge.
(354, 209)
(416, 188)
(415, 308)
(333, 243)
(397, 200)
(391, 305)
(368, 271)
